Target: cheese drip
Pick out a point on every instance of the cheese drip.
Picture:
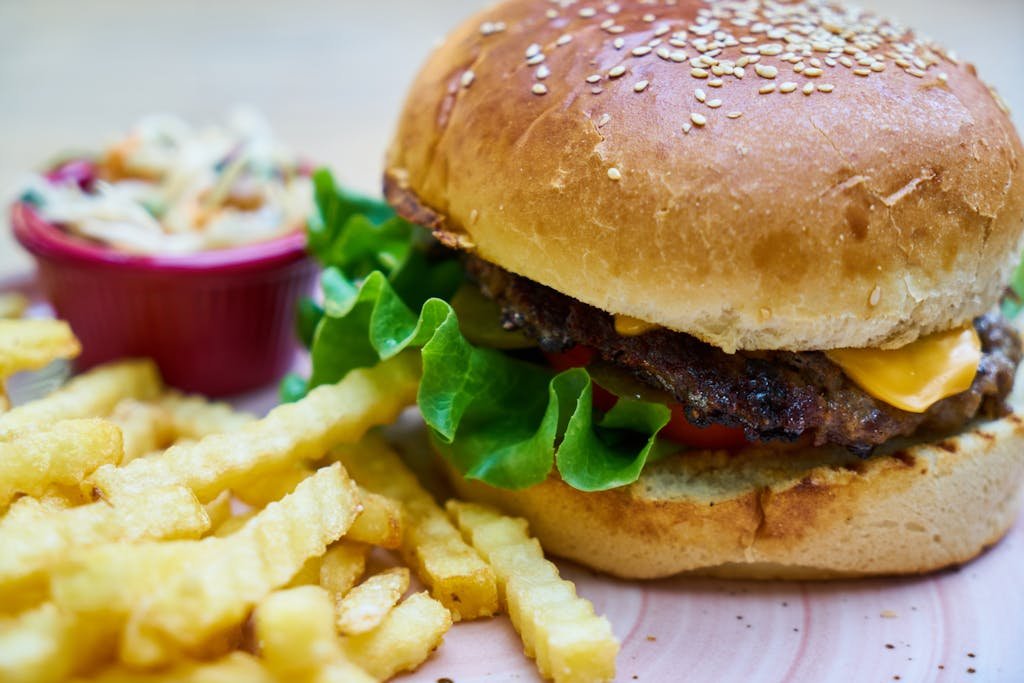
(628, 326)
(918, 375)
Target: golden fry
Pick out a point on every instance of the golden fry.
(93, 394)
(558, 628)
(404, 639)
(296, 636)
(271, 486)
(365, 606)
(219, 510)
(194, 417)
(431, 545)
(35, 536)
(291, 433)
(240, 570)
(146, 428)
(47, 645)
(34, 344)
(236, 666)
(342, 566)
(380, 522)
(63, 454)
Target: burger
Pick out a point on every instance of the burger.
(712, 287)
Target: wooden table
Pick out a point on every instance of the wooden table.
(330, 74)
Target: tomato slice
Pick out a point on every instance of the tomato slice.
(678, 429)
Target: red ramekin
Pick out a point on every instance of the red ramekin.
(216, 322)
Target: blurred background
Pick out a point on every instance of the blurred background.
(330, 74)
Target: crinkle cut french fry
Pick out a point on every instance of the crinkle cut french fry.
(44, 645)
(365, 606)
(194, 417)
(63, 454)
(380, 522)
(235, 666)
(240, 570)
(342, 566)
(272, 486)
(34, 536)
(431, 545)
(569, 642)
(297, 640)
(34, 344)
(219, 510)
(291, 433)
(146, 427)
(93, 394)
(404, 639)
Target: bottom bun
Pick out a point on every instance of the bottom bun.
(789, 512)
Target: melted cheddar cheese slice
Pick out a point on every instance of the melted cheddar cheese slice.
(915, 376)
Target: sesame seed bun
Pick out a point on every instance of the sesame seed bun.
(772, 512)
(852, 186)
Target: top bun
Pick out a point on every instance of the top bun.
(790, 176)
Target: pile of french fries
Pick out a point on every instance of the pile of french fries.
(150, 536)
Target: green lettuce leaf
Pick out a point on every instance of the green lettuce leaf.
(501, 420)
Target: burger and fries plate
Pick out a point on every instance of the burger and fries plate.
(938, 627)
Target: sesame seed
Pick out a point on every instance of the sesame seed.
(563, 39)
(714, 104)
(596, 90)
(640, 86)
(677, 42)
(605, 118)
(614, 173)
(770, 49)
(875, 296)
(533, 50)
(664, 53)
(551, 14)
(698, 73)
(588, 12)
(700, 95)
(616, 71)
(539, 89)
(641, 51)
(618, 43)
(878, 67)
(716, 82)
(826, 87)
(862, 72)
(812, 72)
(594, 78)
(808, 88)
(677, 56)
(915, 72)
(607, 23)
(542, 71)
(734, 115)
(765, 89)
(698, 119)
(765, 71)
(649, 18)
(845, 61)
(616, 29)
(535, 60)
(787, 87)
(467, 78)
(661, 30)
(739, 72)
(687, 127)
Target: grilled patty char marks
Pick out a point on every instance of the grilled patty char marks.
(772, 394)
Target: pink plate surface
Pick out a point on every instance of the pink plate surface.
(961, 625)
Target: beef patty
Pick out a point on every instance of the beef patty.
(770, 394)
